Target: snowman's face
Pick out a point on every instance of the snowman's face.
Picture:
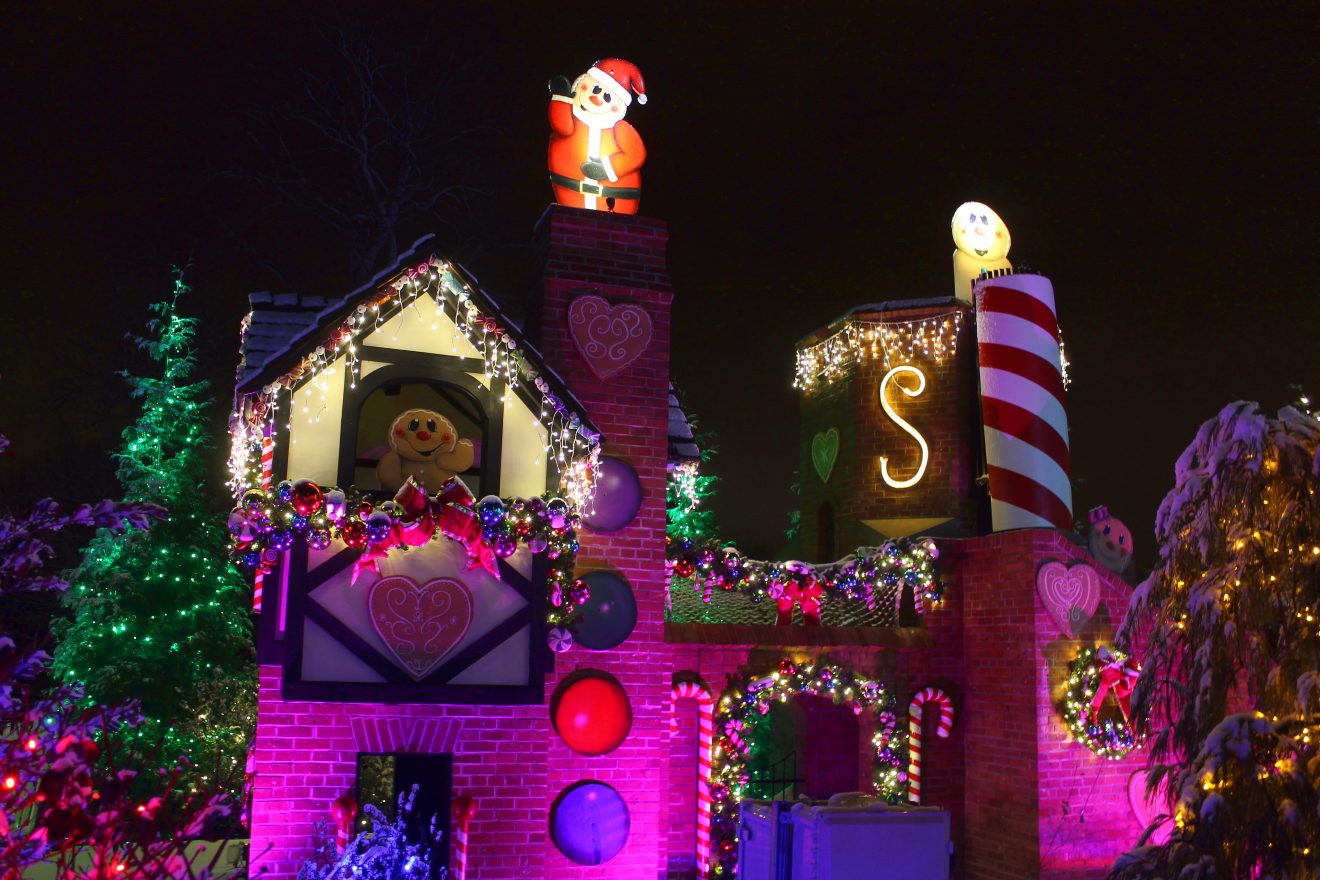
(978, 232)
(418, 434)
(595, 98)
(1111, 544)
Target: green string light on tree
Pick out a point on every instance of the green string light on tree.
(161, 616)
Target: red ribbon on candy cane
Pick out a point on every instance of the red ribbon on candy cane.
(343, 810)
(684, 690)
(463, 810)
(919, 700)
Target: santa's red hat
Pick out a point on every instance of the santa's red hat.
(623, 75)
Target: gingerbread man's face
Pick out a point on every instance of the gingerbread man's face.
(418, 434)
(594, 98)
(978, 231)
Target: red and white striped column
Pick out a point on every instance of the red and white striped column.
(267, 467)
(684, 690)
(1023, 411)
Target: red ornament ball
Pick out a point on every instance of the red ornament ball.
(354, 533)
(684, 569)
(306, 498)
(592, 714)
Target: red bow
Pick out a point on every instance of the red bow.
(807, 594)
(1119, 679)
(422, 515)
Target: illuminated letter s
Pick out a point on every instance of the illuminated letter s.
(889, 411)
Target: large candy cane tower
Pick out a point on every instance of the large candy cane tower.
(1023, 411)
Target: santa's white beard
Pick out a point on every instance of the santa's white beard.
(598, 120)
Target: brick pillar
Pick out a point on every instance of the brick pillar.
(850, 405)
(621, 259)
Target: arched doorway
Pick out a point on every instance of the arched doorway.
(760, 718)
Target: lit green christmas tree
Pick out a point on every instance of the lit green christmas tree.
(160, 616)
(687, 489)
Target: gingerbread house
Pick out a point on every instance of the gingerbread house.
(457, 527)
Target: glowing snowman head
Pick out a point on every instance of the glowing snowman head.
(979, 233)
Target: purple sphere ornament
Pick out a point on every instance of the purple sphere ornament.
(618, 496)
(505, 546)
(378, 526)
(284, 491)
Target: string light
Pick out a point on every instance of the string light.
(502, 357)
(890, 342)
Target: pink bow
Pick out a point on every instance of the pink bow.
(807, 595)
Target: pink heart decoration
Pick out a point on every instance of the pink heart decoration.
(609, 338)
(1070, 593)
(419, 623)
(1146, 810)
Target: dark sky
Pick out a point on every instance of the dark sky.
(1157, 164)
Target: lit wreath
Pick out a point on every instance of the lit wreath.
(1093, 676)
(735, 716)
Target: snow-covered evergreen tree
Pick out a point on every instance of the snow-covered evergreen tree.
(1230, 682)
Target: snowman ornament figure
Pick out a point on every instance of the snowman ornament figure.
(595, 156)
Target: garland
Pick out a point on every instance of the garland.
(858, 578)
(738, 710)
(1093, 675)
(267, 523)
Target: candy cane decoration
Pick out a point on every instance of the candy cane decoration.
(924, 696)
(1022, 403)
(343, 810)
(464, 809)
(705, 734)
(267, 463)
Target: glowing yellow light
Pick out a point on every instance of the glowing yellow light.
(889, 411)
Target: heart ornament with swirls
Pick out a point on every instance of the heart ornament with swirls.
(1071, 594)
(824, 452)
(609, 338)
(1148, 809)
(419, 623)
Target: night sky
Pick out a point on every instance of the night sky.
(1161, 170)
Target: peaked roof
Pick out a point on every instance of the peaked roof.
(682, 445)
(283, 330)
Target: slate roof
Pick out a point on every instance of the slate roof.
(682, 445)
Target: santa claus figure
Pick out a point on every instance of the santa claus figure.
(595, 156)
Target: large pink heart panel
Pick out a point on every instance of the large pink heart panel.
(1070, 593)
(608, 337)
(1146, 809)
(420, 623)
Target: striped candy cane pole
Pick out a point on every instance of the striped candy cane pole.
(464, 809)
(924, 696)
(705, 735)
(1022, 405)
(267, 463)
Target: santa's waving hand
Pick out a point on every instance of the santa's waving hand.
(595, 157)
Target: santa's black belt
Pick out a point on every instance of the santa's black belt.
(592, 188)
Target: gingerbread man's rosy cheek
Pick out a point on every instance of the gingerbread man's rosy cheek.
(398, 432)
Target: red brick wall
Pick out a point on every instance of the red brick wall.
(1035, 799)
(622, 259)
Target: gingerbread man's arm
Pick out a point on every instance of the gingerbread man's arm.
(458, 459)
(561, 115)
(630, 155)
(389, 470)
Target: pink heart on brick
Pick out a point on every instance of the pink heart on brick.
(419, 623)
(1070, 593)
(608, 337)
(1147, 809)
